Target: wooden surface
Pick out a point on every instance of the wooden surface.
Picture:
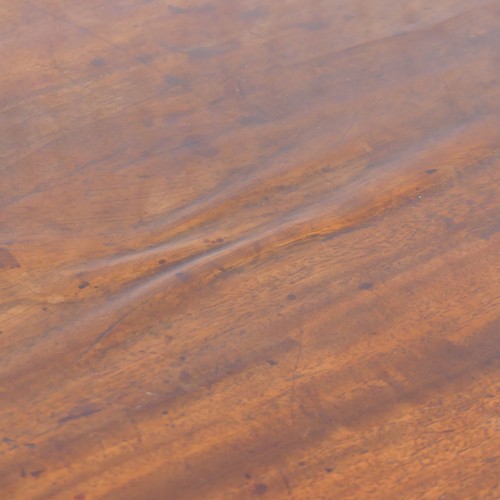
(249, 248)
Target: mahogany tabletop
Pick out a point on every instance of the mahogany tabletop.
(249, 248)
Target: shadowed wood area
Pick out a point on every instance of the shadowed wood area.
(249, 248)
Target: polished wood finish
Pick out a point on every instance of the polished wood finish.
(249, 249)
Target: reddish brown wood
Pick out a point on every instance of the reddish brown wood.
(249, 248)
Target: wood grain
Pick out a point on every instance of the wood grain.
(249, 249)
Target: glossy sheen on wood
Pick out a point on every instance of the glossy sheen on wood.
(249, 249)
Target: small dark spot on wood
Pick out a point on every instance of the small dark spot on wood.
(220, 240)
(209, 52)
(185, 376)
(37, 473)
(203, 8)
(302, 464)
(184, 277)
(313, 25)
(191, 141)
(83, 284)
(260, 488)
(182, 359)
(7, 260)
(176, 10)
(207, 151)
(250, 15)
(272, 362)
(431, 171)
(328, 470)
(253, 120)
(30, 445)
(145, 58)
(44, 308)
(291, 296)
(174, 81)
(7, 440)
(248, 475)
(162, 262)
(365, 285)
(97, 62)
(195, 9)
(164, 412)
(23, 472)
